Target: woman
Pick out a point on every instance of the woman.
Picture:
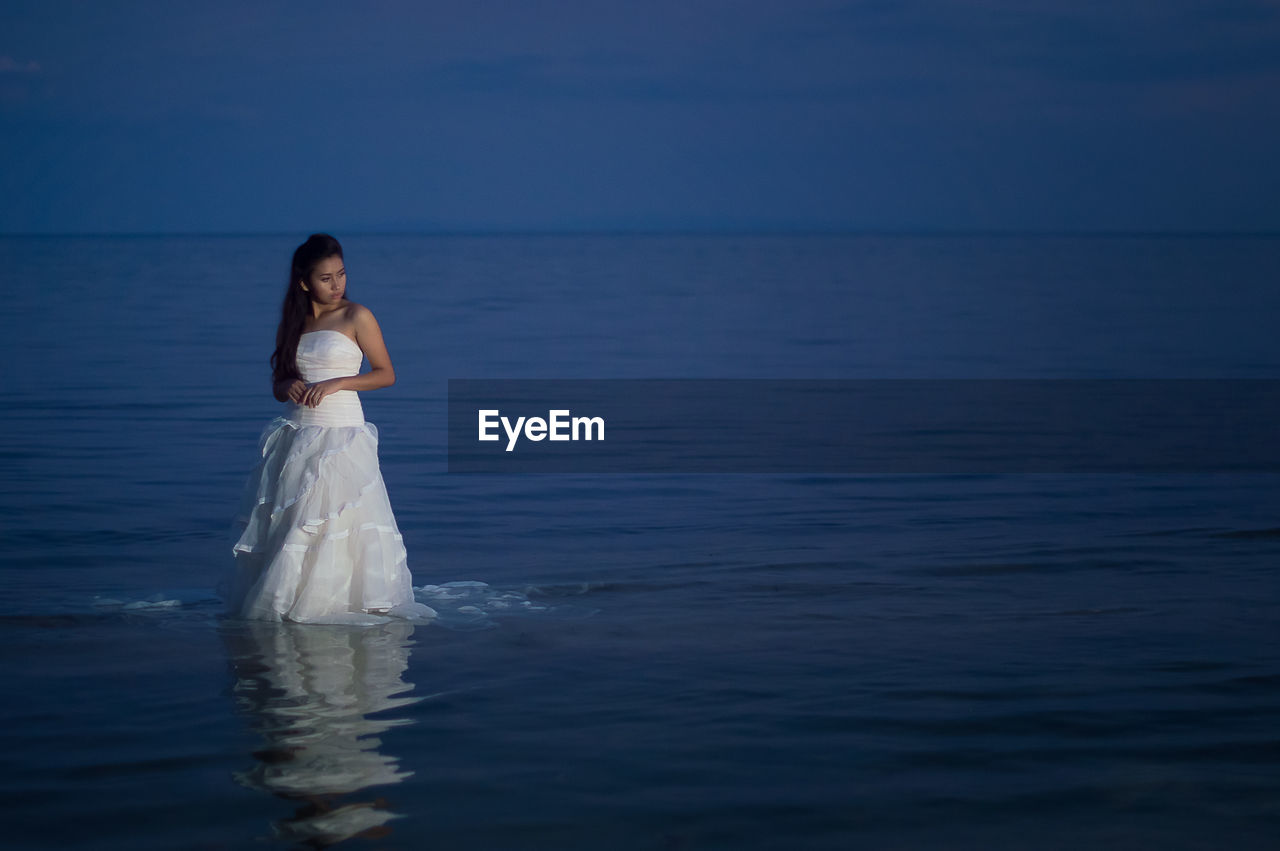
(318, 542)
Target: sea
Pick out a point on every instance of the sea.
(638, 660)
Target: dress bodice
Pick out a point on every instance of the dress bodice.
(322, 355)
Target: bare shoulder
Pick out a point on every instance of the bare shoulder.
(368, 334)
(361, 317)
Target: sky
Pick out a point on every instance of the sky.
(661, 115)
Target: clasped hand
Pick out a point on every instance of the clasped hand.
(311, 395)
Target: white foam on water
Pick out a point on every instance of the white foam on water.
(459, 605)
(468, 604)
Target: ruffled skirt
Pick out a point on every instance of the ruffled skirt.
(316, 540)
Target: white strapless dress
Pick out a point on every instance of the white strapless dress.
(317, 540)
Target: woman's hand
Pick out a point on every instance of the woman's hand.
(313, 394)
(295, 390)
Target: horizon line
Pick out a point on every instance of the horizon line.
(485, 232)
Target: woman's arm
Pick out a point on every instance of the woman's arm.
(369, 338)
(380, 374)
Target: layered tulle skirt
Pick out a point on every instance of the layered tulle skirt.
(315, 537)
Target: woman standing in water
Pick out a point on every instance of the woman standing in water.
(317, 539)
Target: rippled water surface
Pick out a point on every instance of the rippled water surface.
(639, 661)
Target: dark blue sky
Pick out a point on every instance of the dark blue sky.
(698, 114)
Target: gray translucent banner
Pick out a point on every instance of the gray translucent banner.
(864, 426)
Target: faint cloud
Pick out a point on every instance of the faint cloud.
(1061, 59)
(232, 112)
(1246, 94)
(9, 65)
(19, 82)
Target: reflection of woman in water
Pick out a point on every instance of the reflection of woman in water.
(309, 690)
(318, 542)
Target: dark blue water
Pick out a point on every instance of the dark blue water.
(642, 661)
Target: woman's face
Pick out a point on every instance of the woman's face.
(328, 281)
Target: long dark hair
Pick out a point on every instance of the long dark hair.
(293, 314)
